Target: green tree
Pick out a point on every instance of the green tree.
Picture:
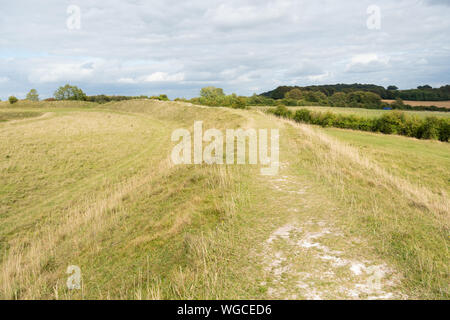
(33, 95)
(69, 92)
(211, 93)
(13, 99)
(315, 96)
(338, 99)
(392, 88)
(295, 94)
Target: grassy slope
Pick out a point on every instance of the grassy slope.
(423, 162)
(406, 221)
(94, 187)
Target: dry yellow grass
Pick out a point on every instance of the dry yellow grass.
(95, 188)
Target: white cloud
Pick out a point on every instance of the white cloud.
(126, 80)
(61, 72)
(240, 15)
(163, 77)
(157, 77)
(369, 62)
(134, 46)
(319, 77)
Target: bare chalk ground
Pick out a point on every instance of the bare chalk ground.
(314, 260)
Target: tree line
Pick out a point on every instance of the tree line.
(422, 93)
(296, 96)
(69, 92)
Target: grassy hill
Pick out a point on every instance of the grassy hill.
(350, 215)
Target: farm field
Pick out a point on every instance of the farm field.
(93, 186)
(367, 113)
(441, 104)
(423, 162)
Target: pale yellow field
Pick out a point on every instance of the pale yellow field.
(441, 104)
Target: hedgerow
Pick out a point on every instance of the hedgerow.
(394, 122)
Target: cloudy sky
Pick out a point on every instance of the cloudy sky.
(150, 47)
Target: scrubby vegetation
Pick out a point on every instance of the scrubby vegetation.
(394, 122)
(12, 100)
(215, 97)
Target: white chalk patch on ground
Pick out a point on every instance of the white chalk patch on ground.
(300, 266)
(335, 276)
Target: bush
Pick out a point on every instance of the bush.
(303, 115)
(429, 129)
(390, 123)
(161, 97)
(283, 112)
(256, 100)
(12, 99)
(239, 103)
(326, 119)
(444, 130)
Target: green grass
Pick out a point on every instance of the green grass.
(92, 185)
(423, 162)
(391, 190)
(14, 115)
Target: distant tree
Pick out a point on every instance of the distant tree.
(425, 87)
(33, 95)
(69, 92)
(398, 104)
(211, 93)
(13, 99)
(393, 88)
(295, 94)
(339, 99)
(314, 96)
